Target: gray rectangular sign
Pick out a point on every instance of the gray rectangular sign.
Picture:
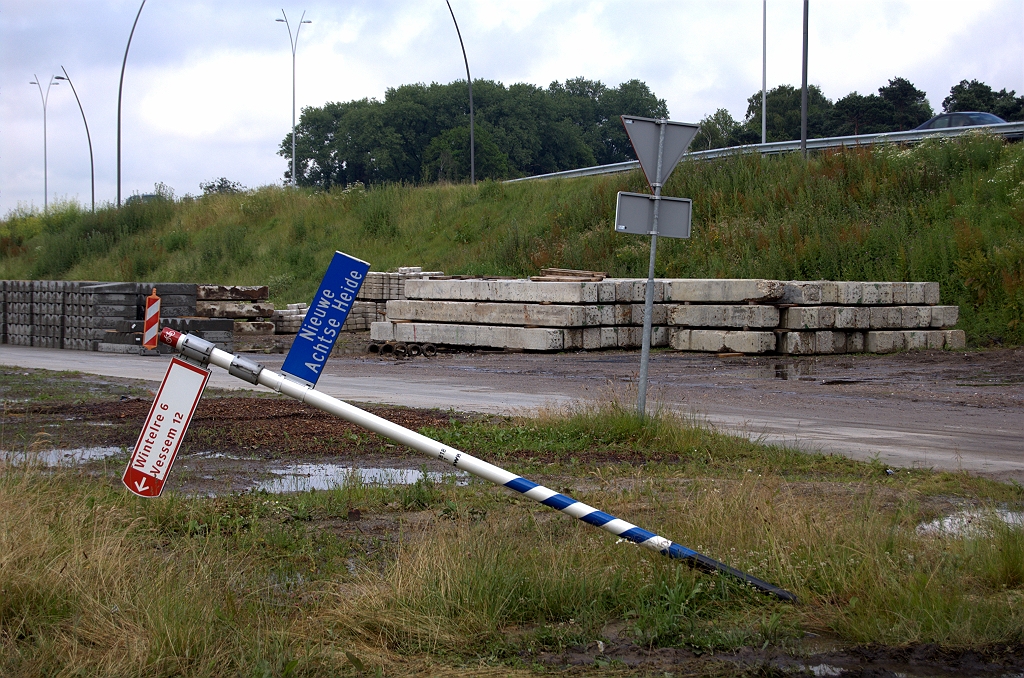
(634, 213)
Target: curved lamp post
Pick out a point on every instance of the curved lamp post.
(469, 79)
(92, 166)
(294, 41)
(120, 89)
(44, 98)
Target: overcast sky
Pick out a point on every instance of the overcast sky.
(207, 91)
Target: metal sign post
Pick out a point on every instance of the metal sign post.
(659, 145)
(199, 350)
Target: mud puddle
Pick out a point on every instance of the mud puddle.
(52, 457)
(306, 477)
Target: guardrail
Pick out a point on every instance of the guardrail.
(1008, 130)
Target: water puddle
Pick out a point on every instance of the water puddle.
(60, 457)
(970, 523)
(306, 477)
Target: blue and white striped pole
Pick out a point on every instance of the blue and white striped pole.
(205, 353)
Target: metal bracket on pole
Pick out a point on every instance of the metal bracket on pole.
(462, 461)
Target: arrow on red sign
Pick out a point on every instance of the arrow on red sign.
(165, 428)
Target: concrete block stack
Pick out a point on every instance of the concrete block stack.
(248, 309)
(523, 314)
(238, 302)
(288, 320)
(380, 287)
(716, 315)
(874, 317)
(78, 332)
(218, 331)
(18, 302)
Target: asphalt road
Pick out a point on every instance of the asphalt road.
(927, 409)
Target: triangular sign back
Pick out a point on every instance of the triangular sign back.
(643, 134)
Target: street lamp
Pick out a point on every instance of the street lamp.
(764, 71)
(294, 42)
(469, 79)
(45, 98)
(120, 88)
(803, 93)
(92, 166)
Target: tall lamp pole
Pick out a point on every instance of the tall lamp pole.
(92, 166)
(469, 79)
(803, 92)
(44, 98)
(120, 89)
(294, 43)
(764, 71)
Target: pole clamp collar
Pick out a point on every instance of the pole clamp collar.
(245, 369)
(196, 348)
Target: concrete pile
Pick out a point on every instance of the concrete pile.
(112, 313)
(289, 320)
(715, 315)
(82, 315)
(248, 309)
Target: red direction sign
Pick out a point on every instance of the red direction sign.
(165, 427)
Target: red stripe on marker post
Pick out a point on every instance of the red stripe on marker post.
(165, 428)
(152, 321)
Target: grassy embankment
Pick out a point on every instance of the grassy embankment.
(477, 580)
(949, 211)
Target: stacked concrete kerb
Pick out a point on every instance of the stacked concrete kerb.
(524, 314)
(873, 317)
(83, 315)
(377, 290)
(709, 315)
(809, 317)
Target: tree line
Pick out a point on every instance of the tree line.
(898, 106)
(420, 133)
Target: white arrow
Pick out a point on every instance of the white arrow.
(140, 485)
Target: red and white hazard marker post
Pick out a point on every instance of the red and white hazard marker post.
(165, 427)
(151, 328)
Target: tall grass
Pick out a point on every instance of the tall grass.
(94, 582)
(945, 210)
(526, 580)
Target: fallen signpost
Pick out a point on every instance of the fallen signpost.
(205, 353)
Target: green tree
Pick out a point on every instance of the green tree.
(446, 157)
(977, 96)
(910, 105)
(859, 114)
(717, 130)
(783, 103)
(413, 134)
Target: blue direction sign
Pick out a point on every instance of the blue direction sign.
(326, 315)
